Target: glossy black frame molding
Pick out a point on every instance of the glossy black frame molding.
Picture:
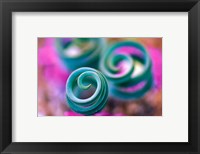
(9, 6)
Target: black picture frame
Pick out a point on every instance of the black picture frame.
(9, 6)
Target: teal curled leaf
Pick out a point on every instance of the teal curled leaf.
(122, 81)
(80, 52)
(83, 79)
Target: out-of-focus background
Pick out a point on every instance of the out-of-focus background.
(53, 74)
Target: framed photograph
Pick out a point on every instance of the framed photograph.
(100, 76)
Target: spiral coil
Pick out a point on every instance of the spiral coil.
(82, 79)
(123, 83)
(90, 50)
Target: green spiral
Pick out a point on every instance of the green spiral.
(90, 52)
(125, 85)
(83, 79)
